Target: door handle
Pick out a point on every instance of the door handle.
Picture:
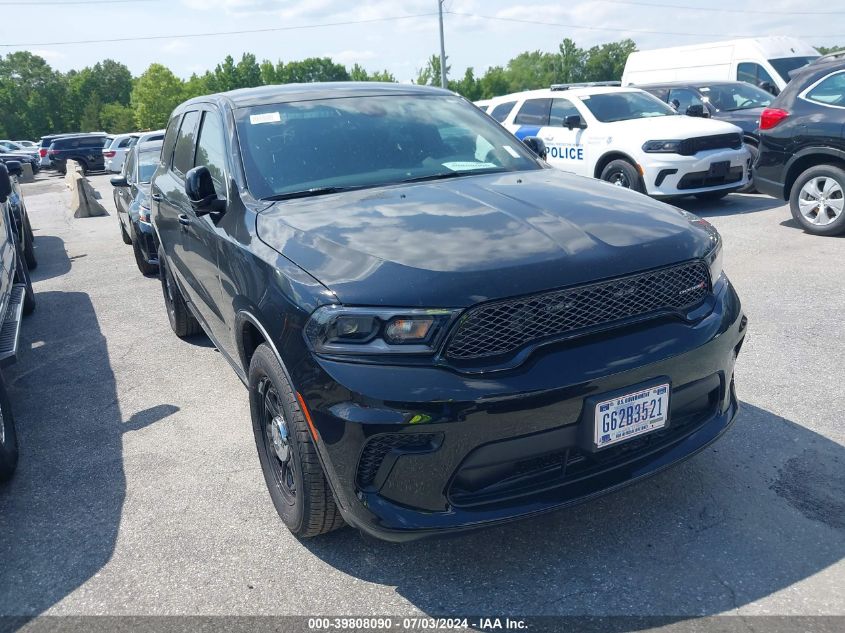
(184, 220)
(157, 197)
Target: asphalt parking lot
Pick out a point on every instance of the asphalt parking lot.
(139, 490)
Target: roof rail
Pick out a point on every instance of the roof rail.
(585, 84)
(824, 59)
(829, 57)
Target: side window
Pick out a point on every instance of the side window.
(169, 140)
(125, 142)
(211, 151)
(534, 112)
(682, 98)
(753, 73)
(129, 167)
(829, 91)
(501, 111)
(183, 154)
(561, 108)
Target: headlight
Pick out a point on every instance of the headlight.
(713, 257)
(662, 147)
(339, 330)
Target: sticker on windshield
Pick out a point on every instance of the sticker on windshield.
(510, 150)
(468, 166)
(267, 117)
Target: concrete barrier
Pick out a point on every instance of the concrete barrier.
(72, 169)
(26, 174)
(83, 198)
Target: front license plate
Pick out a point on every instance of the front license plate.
(720, 168)
(633, 414)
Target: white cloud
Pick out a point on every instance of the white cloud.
(48, 54)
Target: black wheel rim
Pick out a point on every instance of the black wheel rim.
(617, 177)
(277, 441)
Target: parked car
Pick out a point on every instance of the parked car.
(12, 146)
(802, 148)
(629, 138)
(28, 144)
(17, 207)
(765, 62)
(114, 153)
(146, 137)
(132, 201)
(16, 299)
(438, 332)
(46, 141)
(85, 149)
(736, 102)
(483, 105)
(33, 161)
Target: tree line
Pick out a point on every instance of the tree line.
(35, 99)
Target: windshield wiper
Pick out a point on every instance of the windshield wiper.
(452, 174)
(307, 193)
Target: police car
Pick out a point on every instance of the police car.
(627, 137)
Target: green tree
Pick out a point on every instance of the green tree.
(494, 82)
(117, 118)
(310, 70)
(157, 92)
(268, 72)
(606, 62)
(247, 72)
(570, 63)
(224, 77)
(358, 73)
(33, 96)
(90, 119)
(826, 50)
(196, 86)
(383, 75)
(532, 70)
(429, 75)
(468, 86)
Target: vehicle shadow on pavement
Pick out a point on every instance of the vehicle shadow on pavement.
(52, 259)
(758, 511)
(734, 204)
(59, 515)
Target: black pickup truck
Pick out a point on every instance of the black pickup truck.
(16, 299)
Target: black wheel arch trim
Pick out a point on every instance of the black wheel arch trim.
(610, 156)
(816, 150)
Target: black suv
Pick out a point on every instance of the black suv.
(802, 147)
(437, 330)
(16, 299)
(86, 149)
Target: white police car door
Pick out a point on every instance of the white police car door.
(567, 150)
(544, 117)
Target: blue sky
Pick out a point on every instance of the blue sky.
(400, 46)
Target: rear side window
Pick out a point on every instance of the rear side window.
(682, 98)
(829, 91)
(183, 154)
(754, 74)
(125, 142)
(562, 108)
(169, 139)
(129, 167)
(501, 111)
(534, 112)
(211, 151)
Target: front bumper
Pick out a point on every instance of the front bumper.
(676, 175)
(143, 233)
(415, 451)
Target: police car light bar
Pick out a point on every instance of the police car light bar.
(585, 84)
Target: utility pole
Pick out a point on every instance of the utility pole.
(442, 47)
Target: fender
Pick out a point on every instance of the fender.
(813, 150)
(621, 154)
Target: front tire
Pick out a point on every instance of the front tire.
(8, 436)
(622, 174)
(292, 471)
(817, 200)
(182, 322)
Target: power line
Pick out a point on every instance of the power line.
(145, 38)
(49, 3)
(620, 29)
(718, 10)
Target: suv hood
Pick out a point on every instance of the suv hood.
(453, 243)
(676, 127)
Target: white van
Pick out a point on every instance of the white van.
(763, 61)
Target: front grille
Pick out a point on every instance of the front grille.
(503, 327)
(691, 146)
(380, 445)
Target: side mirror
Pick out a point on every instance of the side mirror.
(574, 121)
(200, 191)
(676, 105)
(119, 181)
(14, 167)
(536, 145)
(696, 110)
(5, 183)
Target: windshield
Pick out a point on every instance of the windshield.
(785, 65)
(623, 106)
(736, 96)
(147, 163)
(370, 141)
